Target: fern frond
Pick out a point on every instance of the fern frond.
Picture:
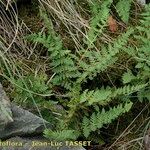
(61, 135)
(93, 122)
(40, 38)
(97, 121)
(101, 96)
(99, 61)
(128, 77)
(61, 60)
(98, 22)
(104, 96)
(143, 36)
(123, 8)
(128, 89)
(143, 28)
(86, 126)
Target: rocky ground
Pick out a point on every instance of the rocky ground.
(22, 130)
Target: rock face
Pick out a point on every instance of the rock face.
(17, 121)
(25, 123)
(5, 109)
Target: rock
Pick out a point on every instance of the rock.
(142, 2)
(147, 140)
(15, 121)
(26, 144)
(25, 123)
(5, 109)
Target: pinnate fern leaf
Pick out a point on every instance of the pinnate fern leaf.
(100, 61)
(61, 60)
(98, 22)
(105, 95)
(128, 89)
(123, 9)
(98, 120)
(128, 77)
(61, 135)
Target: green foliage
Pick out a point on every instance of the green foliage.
(98, 21)
(85, 90)
(123, 9)
(29, 87)
(71, 71)
(103, 96)
(98, 119)
(62, 62)
(61, 135)
(128, 77)
(128, 89)
(141, 54)
(99, 61)
(33, 92)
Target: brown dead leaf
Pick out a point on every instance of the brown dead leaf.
(112, 24)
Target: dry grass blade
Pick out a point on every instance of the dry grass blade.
(13, 48)
(66, 12)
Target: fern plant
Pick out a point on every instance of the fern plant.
(71, 71)
(62, 62)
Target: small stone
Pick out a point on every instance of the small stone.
(147, 142)
(142, 2)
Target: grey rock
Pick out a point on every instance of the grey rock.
(5, 109)
(147, 142)
(142, 2)
(27, 144)
(25, 123)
